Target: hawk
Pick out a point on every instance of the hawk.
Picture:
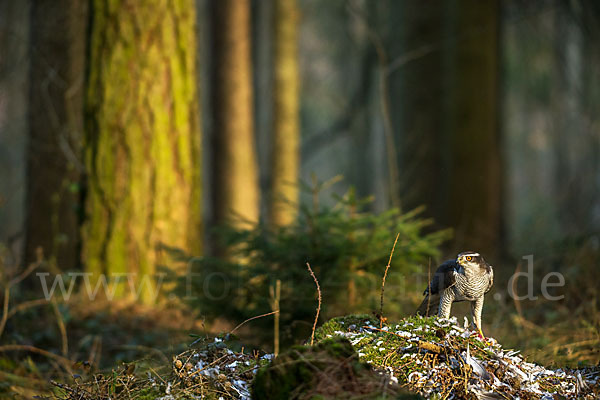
(468, 278)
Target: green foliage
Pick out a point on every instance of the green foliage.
(347, 247)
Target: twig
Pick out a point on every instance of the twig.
(5, 309)
(25, 305)
(312, 336)
(62, 329)
(388, 130)
(66, 363)
(32, 267)
(514, 290)
(95, 351)
(14, 281)
(250, 319)
(428, 288)
(412, 55)
(383, 280)
(144, 349)
(275, 297)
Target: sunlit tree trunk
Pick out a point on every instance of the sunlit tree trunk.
(286, 131)
(142, 139)
(472, 165)
(235, 180)
(56, 128)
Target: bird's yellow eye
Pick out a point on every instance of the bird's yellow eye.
(468, 258)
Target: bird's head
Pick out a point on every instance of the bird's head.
(471, 260)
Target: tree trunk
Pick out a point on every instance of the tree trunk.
(472, 167)
(15, 17)
(286, 132)
(143, 140)
(56, 125)
(416, 27)
(235, 181)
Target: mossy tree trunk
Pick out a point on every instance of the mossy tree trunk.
(142, 139)
(286, 131)
(56, 130)
(235, 169)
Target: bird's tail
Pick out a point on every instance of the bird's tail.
(429, 306)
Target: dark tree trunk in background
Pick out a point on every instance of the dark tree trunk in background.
(471, 203)
(262, 27)
(417, 103)
(445, 110)
(143, 205)
(15, 19)
(235, 169)
(576, 140)
(58, 31)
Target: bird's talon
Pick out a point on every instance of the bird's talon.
(485, 340)
(480, 335)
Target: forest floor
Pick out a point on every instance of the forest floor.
(121, 350)
(353, 357)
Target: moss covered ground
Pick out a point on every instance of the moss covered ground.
(442, 360)
(354, 357)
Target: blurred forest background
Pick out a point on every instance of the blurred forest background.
(253, 136)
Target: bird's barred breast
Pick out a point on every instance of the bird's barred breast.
(471, 289)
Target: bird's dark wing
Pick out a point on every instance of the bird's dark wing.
(429, 306)
(443, 278)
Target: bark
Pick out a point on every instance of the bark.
(56, 125)
(447, 112)
(286, 133)
(474, 187)
(142, 140)
(15, 17)
(235, 180)
(417, 99)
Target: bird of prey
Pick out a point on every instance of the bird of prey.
(467, 278)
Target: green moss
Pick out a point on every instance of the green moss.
(379, 349)
(148, 393)
(329, 370)
(142, 139)
(429, 347)
(343, 324)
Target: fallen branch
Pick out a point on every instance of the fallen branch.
(434, 348)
